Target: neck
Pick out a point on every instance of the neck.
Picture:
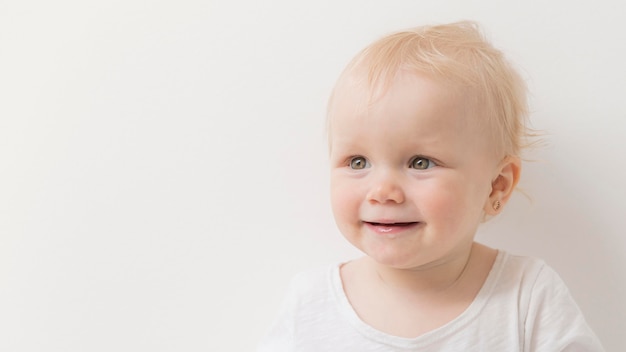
(433, 278)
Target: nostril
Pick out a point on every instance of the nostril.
(386, 193)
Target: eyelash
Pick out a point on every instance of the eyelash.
(352, 163)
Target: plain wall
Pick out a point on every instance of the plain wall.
(163, 163)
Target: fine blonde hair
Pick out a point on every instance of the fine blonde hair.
(458, 54)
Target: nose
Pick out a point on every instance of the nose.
(385, 189)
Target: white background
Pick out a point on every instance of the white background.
(163, 164)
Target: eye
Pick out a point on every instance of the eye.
(421, 163)
(358, 163)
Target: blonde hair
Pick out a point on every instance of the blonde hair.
(456, 53)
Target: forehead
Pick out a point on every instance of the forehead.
(418, 98)
(413, 110)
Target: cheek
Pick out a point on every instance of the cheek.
(440, 205)
(342, 198)
(345, 209)
(451, 206)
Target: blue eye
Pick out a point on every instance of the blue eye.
(358, 163)
(421, 163)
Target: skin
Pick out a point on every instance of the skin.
(412, 177)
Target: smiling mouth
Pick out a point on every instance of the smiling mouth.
(392, 224)
(391, 229)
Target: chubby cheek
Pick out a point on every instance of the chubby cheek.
(451, 209)
(345, 204)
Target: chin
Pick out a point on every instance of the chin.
(396, 260)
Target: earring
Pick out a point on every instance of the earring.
(497, 205)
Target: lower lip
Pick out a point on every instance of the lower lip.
(391, 230)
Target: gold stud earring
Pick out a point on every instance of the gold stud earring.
(497, 205)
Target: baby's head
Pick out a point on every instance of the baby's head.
(425, 130)
(456, 55)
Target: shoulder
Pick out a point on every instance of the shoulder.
(306, 299)
(513, 274)
(535, 277)
(526, 274)
(312, 284)
(534, 282)
(311, 292)
(551, 319)
(522, 265)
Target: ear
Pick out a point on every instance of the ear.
(502, 185)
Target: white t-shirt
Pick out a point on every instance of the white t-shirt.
(522, 306)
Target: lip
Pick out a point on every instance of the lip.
(390, 228)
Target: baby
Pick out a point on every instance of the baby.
(426, 128)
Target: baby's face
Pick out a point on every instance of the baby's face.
(410, 175)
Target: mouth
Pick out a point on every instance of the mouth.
(390, 228)
(391, 223)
